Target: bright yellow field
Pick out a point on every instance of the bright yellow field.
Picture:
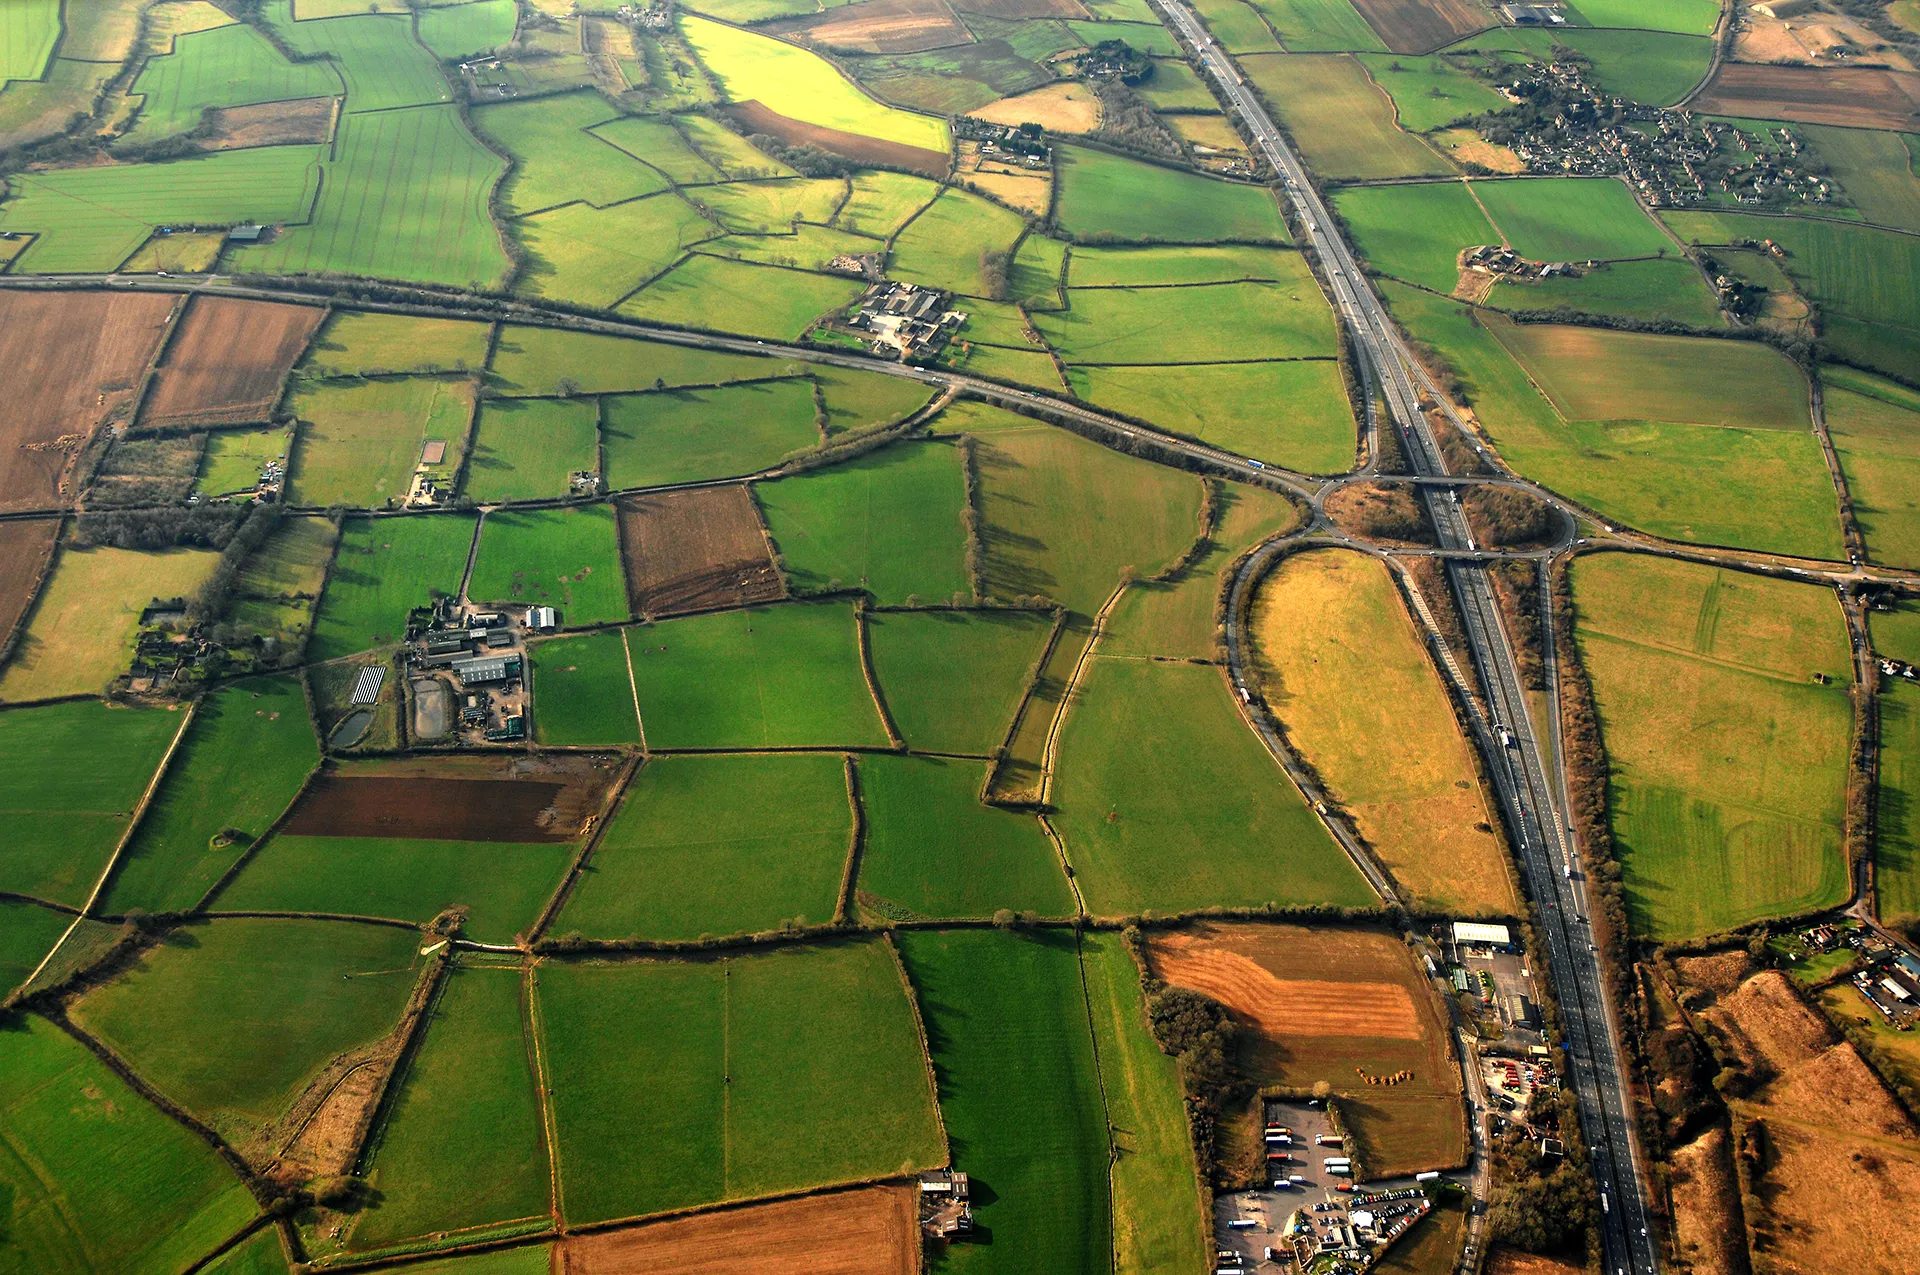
(1342, 668)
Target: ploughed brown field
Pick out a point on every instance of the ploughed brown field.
(756, 118)
(72, 360)
(24, 550)
(1421, 26)
(227, 361)
(868, 1231)
(304, 121)
(881, 26)
(1846, 96)
(523, 798)
(695, 550)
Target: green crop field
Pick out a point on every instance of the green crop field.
(27, 933)
(558, 160)
(1020, 1094)
(1429, 93)
(1690, 17)
(1728, 763)
(1175, 87)
(28, 31)
(1664, 288)
(770, 207)
(686, 435)
(582, 691)
(1876, 170)
(1342, 121)
(550, 361)
(598, 256)
(527, 449)
(384, 568)
(860, 400)
(888, 522)
(1415, 233)
(1198, 324)
(715, 294)
(944, 246)
(658, 141)
(380, 62)
(360, 441)
(1896, 853)
(97, 1178)
(244, 758)
(766, 1073)
(1238, 26)
(1105, 197)
(227, 66)
(362, 342)
(1318, 26)
(1146, 829)
(1875, 426)
(778, 676)
(461, 30)
(568, 559)
(953, 680)
(233, 1019)
(1571, 218)
(1293, 413)
(881, 202)
(716, 845)
(934, 851)
(1096, 267)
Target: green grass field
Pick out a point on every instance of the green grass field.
(234, 459)
(233, 1019)
(563, 558)
(27, 934)
(1106, 197)
(766, 677)
(1238, 26)
(1174, 87)
(1654, 67)
(953, 680)
(686, 435)
(380, 62)
(798, 245)
(861, 400)
(1292, 413)
(384, 568)
(549, 361)
(227, 66)
(1124, 267)
(29, 29)
(1429, 93)
(1342, 121)
(1020, 1091)
(360, 441)
(1896, 854)
(943, 247)
(293, 561)
(719, 295)
(1896, 632)
(770, 207)
(1875, 426)
(1148, 831)
(1415, 233)
(363, 342)
(582, 695)
(598, 256)
(888, 522)
(558, 159)
(710, 846)
(1688, 17)
(767, 1073)
(1728, 762)
(527, 449)
(96, 1178)
(934, 851)
(1664, 288)
(244, 759)
(1318, 26)
(1875, 169)
(1572, 218)
(658, 141)
(1198, 324)
(461, 30)
(881, 202)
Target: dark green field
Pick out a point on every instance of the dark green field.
(953, 679)
(582, 692)
(688, 435)
(384, 567)
(568, 559)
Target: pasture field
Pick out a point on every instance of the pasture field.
(1335, 1004)
(933, 850)
(1212, 131)
(650, 440)
(770, 207)
(1686, 17)
(774, 676)
(227, 361)
(881, 202)
(1289, 412)
(183, 253)
(1896, 855)
(803, 86)
(1728, 763)
(598, 256)
(1062, 518)
(768, 1073)
(1039, 266)
(461, 1143)
(717, 845)
(559, 159)
(1124, 267)
(888, 522)
(1571, 218)
(1342, 121)
(1020, 1092)
(379, 61)
(359, 442)
(1020, 366)
(62, 810)
(364, 342)
(233, 1019)
(1344, 670)
(526, 449)
(1109, 198)
(799, 245)
(27, 935)
(228, 66)
(461, 30)
(1196, 324)
(1875, 426)
(728, 152)
(259, 1255)
(1663, 288)
(80, 633)
(1429, 93)
(249, 749)
(581, 691)
(1415, 233)
(1897, 632)
(384, 568)
(715, 294)
(1876, 171)
(568, 559)
(1237, 25)
(860, 400)
(544, 362)
(1175, 87)
(1655, 67)
(694, 550)
(943, 246)
(29, 29)
(659, 142)
(97, 1178)
(235, 459)
(952, 680)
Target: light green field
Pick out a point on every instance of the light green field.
(227, 66)
(933, 850)
(717, 295)
(1896, 854)
(96, 1178)
(1237, 26)
(363, 342)
(462, 30)
(1875, 426)
(766, 1073)
(1109, 198)
(1146, 832)
(557, 161)
(1875, 169)
(1038, 268)
(233, 1019)
(360, 441)
(860, 400)
(716, 845)
(568, 559)
(728, 152)
(1657, 68)
(1664, 288)
(953, 680)
(384, 568)
(1896, 632)
(259, 1255)
(1146, 35)
(1175, 87)
(888, 522)
(659, 142)
(598, 256)
(293, 560)
(1688, 17)
(1571, 219)
(770, 207)
(779, 676)
(882, 201)
(1429, 93)
(581, 692)
(235, 459)
(28, 31)
(1094, 267)
(526, 449)
(1416, 232)
(802, 86)
(1342, 122)
(1728, 762)
(944, 246)
(1198, 324)
(687, 435)
(547, 361)
(801, 246)
(1318, 26)
(250, 748)
(378, 59)
(81, 633)
(1291, 413)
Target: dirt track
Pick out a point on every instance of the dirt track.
(868, 1231)
(756, 118)
(695, 550)
(226, 363)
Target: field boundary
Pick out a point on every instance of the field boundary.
(633, 689)
(920, 1035)
(1026, 698)
(843, 912)
(543, 1080)
(1050, 751)
(865, 646)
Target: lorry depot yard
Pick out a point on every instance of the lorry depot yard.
(1116, 637)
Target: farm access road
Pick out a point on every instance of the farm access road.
(1521, 771)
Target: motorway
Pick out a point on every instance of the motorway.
(1521, 769)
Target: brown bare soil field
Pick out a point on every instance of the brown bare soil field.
(1421, 26)
(24, 550)
(881, 26)
(1849, 97)
(1275, 1006)
(695, 550)
(525, 797)
(306, 121)
(228, 360)
(1066, 106)
(72, 361)
(1511, 1261)
(1706, 1192)
(869, 1231)
(757, 118)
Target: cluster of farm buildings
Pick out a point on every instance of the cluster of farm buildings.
(1887, 978)
(905, 320)
(474, 658)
